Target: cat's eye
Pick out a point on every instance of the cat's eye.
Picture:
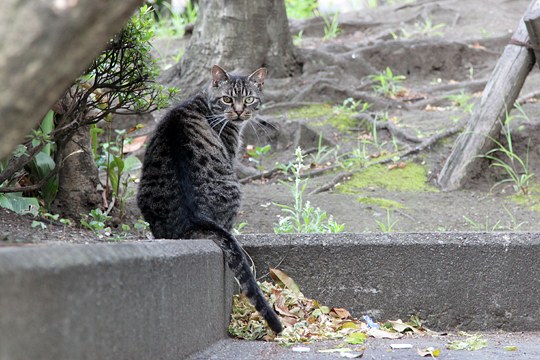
(227, 100)
(249, 100)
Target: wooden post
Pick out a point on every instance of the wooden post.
(532, 22)
(497, 99)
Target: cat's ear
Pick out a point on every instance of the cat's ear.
(218, 75)
(258, 77)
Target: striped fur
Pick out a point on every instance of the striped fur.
(188, 186)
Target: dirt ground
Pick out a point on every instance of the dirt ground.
(460, 58)
(443, 48)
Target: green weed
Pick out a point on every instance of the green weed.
(300, 9)
(388, 225)
(424, 28)
(256, 155)
(303, 217)
(386, 83)
(503, 156)
(297, 39)
(331, 27)
(463, 101)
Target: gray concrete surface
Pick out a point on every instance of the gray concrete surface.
(467, 281)
(528, 348)
(145, 300)
(169, 299)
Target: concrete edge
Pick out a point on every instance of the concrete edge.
(142, 300)
(464, 281)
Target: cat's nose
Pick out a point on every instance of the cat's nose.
(238, 112)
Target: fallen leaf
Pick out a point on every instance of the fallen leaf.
(510, 348)
(383, 334)
(301, 349)
(334, 350)
(340, 313)
(399, 165)
(349, 325)
(281, 277)
(476, 45)
(135, 144)
(430, 351)
(402, 327)
(356, 338)
(472, 343)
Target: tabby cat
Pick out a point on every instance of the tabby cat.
(189, 187)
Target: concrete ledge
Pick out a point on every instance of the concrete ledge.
(469, 281)
(146, 300)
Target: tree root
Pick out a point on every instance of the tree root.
(422, 146)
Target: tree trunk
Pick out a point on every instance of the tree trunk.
(45, 46)
(241, 36)
(79, 186)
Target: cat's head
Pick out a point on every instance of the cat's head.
(236, 97)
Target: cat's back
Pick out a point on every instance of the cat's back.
(186, 170)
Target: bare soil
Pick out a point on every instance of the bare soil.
(454, 58)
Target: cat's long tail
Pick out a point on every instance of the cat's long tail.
(237, 262)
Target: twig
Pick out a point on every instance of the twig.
(425, 144)
(263, 175)
(524, 98)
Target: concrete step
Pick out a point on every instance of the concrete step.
(143, 300)
(464, 281)
(527, 344)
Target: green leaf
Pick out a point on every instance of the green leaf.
(510, 348)
(472, 343)
(19, 204)
(131, 163)
(356, 338)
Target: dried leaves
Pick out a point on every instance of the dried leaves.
(305, 320)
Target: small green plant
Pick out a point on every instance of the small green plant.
(142, 227)
(504, 157)
(424, 28)
(323, 152)
(256, 155)
(170, 22)
(38, 224)
(486, 226)
(303, 217)
(297, 39)
(354, 105)
(386, 83)
(359, 157)
(300, 9)
(95, 220)
(512, 223)
(331, 27)
(388, 225)
(463, 101)
(237, 230)
(118, 168)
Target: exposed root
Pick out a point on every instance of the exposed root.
(414, 150)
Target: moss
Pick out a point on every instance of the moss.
(412, 177)
(380, 202)
(311, 111)
(531, 201)
(341, 119)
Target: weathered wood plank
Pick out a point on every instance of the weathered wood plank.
(532, 22)
(498, 97)
(44, 46)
